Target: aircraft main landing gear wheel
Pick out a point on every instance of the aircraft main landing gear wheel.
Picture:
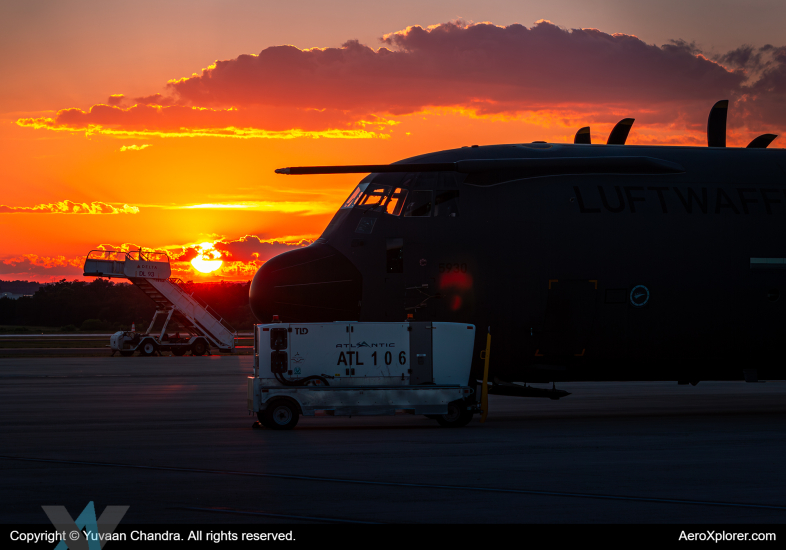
(148, 349)
(281, 414)
(457, 417)
(199, 347)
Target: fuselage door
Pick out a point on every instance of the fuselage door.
(419, 287)
(394, 280)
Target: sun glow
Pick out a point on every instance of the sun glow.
(208, 260)
(206, 266)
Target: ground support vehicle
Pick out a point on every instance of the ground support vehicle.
(182, 323)
(128, 342)
(354, 368)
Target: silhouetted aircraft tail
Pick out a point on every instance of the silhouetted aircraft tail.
(583, 136)
(619, 134)
(762, 141)
(716, 124)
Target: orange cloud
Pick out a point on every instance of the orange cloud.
(241, 257)
(251, 248)
(477, 69)
(134, 147)
(248, 248)
(34, 266)
(487, 69)
(181, 121)
(70, 207)
(309, 208)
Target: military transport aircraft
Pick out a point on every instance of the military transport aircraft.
(588, 262)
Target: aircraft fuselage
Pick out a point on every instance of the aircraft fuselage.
(618, 276)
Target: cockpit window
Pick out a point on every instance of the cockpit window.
(374, 195)
(446, 204)
(378, 198)
(396, 201)
(356, 194)
(418, 205)
(388, 192)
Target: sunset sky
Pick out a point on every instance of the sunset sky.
(159, 124)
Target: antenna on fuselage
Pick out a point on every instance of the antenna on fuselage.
(619, 134)
(583, 136)
(762, 141)
(716, 124)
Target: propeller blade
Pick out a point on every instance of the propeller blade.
(762, 141)
(716, 124)
(583, 136)
(619, 134)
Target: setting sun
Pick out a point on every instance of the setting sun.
(208, 259)
(205, 266)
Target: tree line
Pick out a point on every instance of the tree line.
(103, 305)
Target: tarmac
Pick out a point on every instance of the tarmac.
(171, 437)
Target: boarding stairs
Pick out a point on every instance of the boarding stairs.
(150, 272)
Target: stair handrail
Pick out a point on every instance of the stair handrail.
(150, 255)
(176, 281)
(209, 310)
(106, 255)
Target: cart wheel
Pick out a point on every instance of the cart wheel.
(127, 353)
(281, 414)
(457, 416)
(179, 351)
(148, 348)
(199, 347)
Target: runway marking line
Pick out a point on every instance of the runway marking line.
(400, 484)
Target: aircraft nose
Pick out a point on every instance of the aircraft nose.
(311, 284)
